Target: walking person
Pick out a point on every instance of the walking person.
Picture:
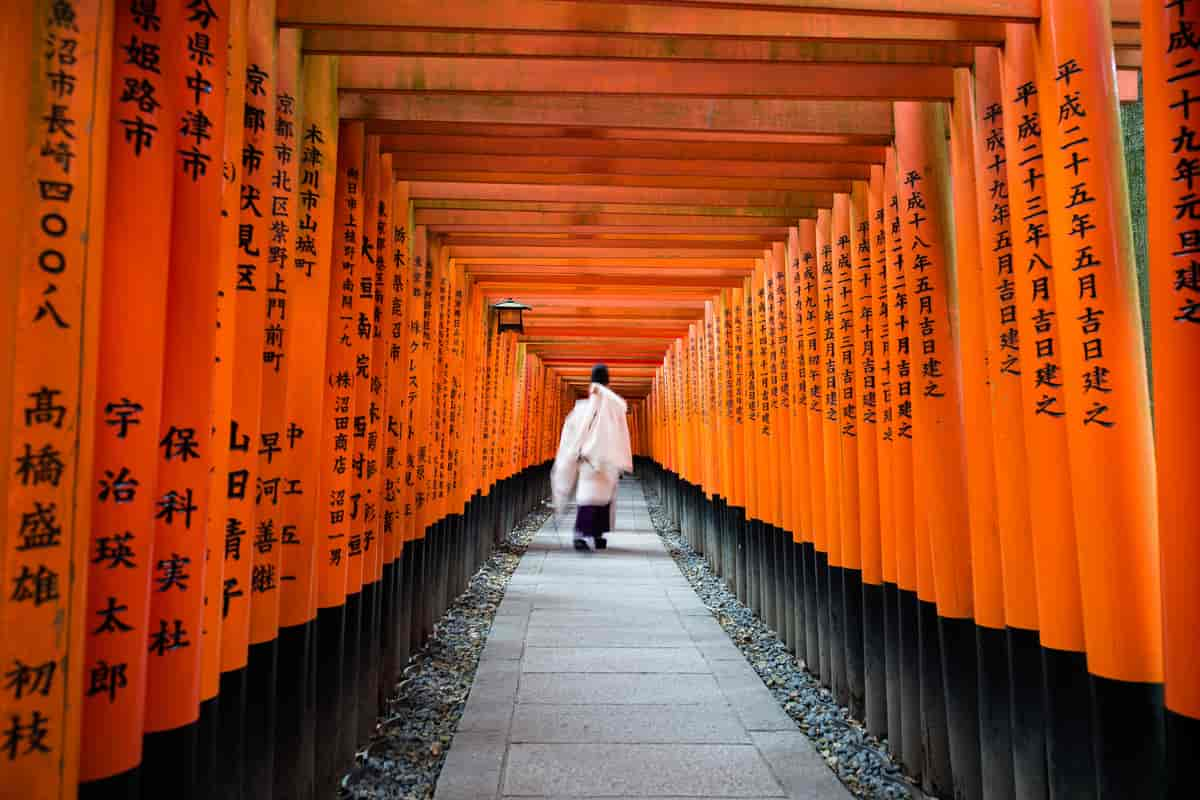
(592, 453)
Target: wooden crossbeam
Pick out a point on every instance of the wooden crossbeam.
(836, 117)
(560, 44)
(407, 162)
(421, 190)
(480, 142)
(764, 80)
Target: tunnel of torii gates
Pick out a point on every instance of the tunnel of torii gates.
(863, 268)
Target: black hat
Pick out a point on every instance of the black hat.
(600, 374)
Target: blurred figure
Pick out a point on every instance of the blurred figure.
(592, 453)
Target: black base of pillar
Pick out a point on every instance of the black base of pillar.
(995, 714)
(1129, 738)
(1028, 715)
(169, 763)
(295, 723)
(122, 786)
(875, 658)
(331, 640)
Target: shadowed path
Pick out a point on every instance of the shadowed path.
(605, 676)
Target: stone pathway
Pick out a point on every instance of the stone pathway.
(604, 676)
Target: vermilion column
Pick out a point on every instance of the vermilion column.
(124, 420)
(1169, 46)
(56, 72)
(214, 621)
(1001, 304)
(885, 434)
(1069, 759)
(909, 746)
(832, 648)
(849, 592)
(185, 449)
(938, 416)
(306, 152)
(336, 452)
(814, 609)
(226, 605)
(1104, 385)
(866, 390)
(988, 583)
(256, 438)
(798, 481)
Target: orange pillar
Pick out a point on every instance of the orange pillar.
(1108, 424)
(885, 434)
(226, 624)
(977, 382)
(1168, 40)
(257, 461)
(60, 140)
(125, 418)
(850, 590)
(185, 453)
(334, 684)
(1055, 557)
(910, 746)
(1004, 345)
(798, 480)
(866, 395)
(313, 150)
(940, 457)
(833, 642)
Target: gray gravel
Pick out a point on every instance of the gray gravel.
(405, 756)
(860, 760)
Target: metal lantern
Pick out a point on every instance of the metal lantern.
(508, 316)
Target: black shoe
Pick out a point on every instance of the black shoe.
(601, 543)
(583, 545)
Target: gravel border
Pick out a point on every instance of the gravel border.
(860, 761)
(405, 755)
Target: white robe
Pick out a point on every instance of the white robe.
(593, 450)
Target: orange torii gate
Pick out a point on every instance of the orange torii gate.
(863, 270)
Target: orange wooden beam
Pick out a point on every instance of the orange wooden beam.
(760, 80)
(597, 45)
(690, 182)
(483, 143)
(615, 18)
(405, 162)
(827, 117)
(559, 134)
(422, 190)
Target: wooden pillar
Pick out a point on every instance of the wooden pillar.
(814, 412)
(1169, 40)
(1104, 385)
(257, 463)
(976, 359)
(799, 481)
(1009, 396)
(885, 432)
(910, 748)
(303, 518)
(185, 447)
(125, 421)
(59, 147)
(226, 624)
(850, 590)
(866, 392)
(940, 499)
(1060, 645)
(334, 484)
(832, 647)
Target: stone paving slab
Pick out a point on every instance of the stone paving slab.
(715, 724)
(605, 677)
(640, 770)
(613, 659)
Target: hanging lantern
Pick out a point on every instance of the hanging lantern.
(508, 316)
